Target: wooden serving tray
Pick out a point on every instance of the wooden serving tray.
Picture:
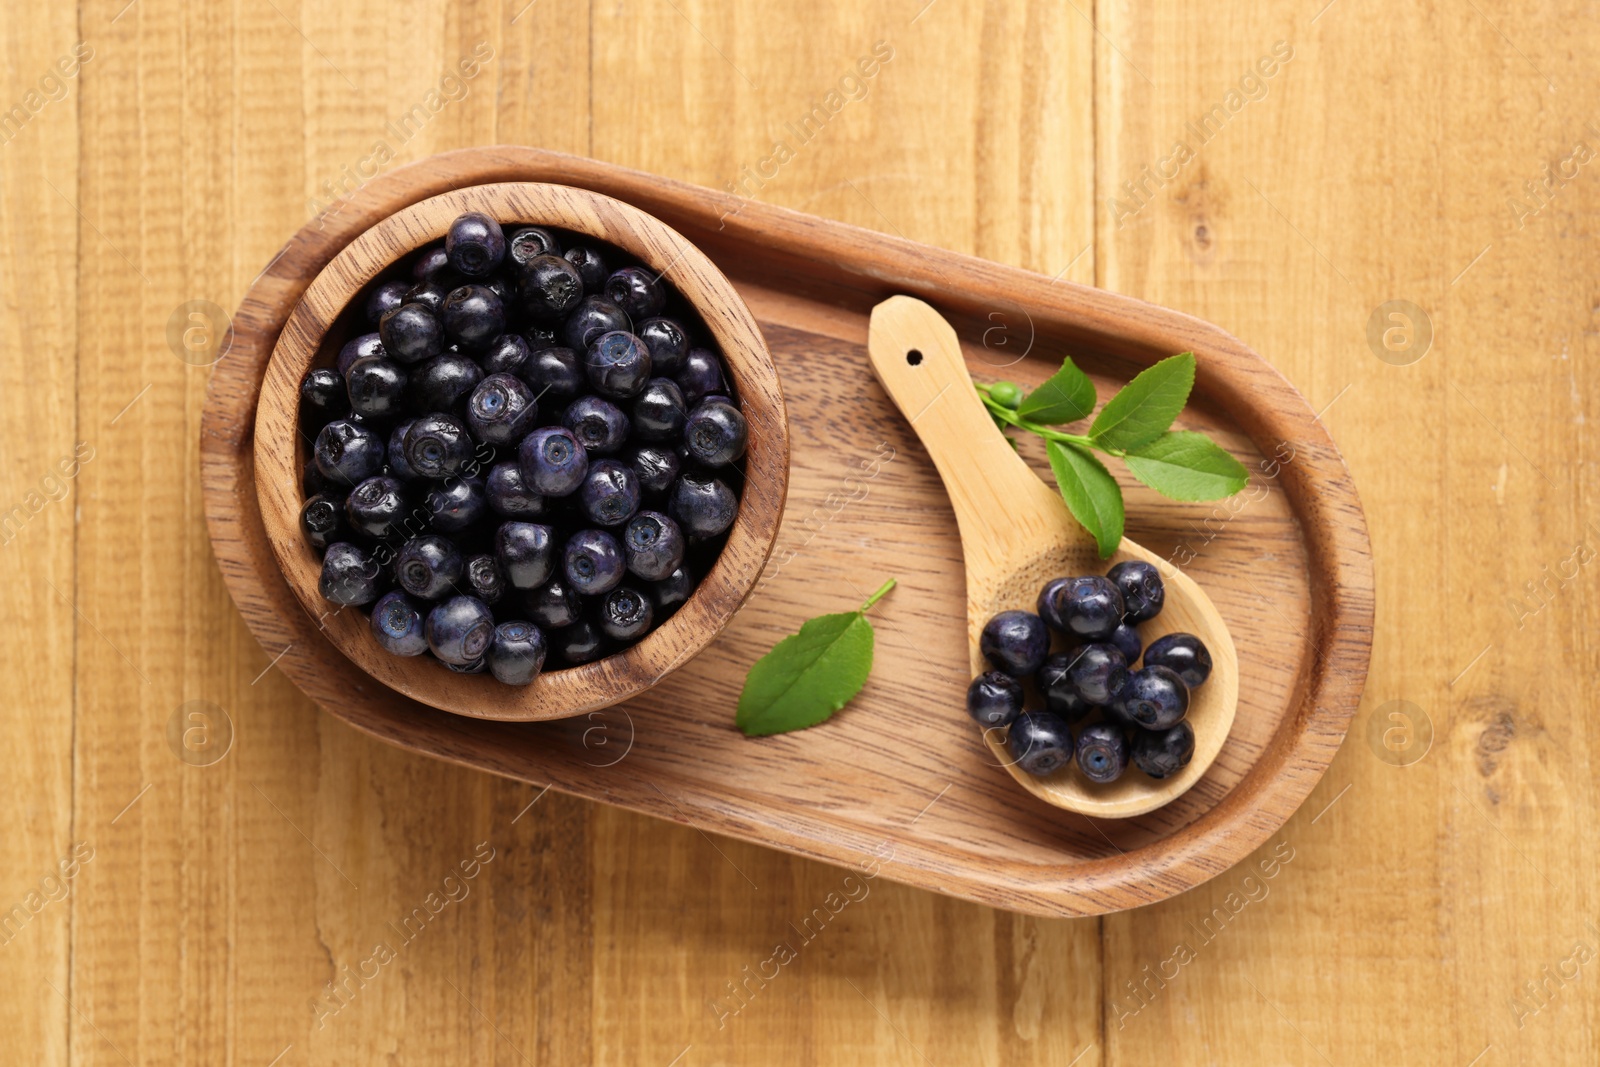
(901, 778)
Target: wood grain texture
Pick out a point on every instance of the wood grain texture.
(1017, 534)
(1419, 901)
(1372, 168)
(321, 324)
(40, 485)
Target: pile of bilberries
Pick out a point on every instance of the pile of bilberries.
(1141, 712)
(527, 455)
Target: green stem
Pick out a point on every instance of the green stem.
(1006, 415)
(875, 597)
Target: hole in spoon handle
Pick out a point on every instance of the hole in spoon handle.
(917, 358)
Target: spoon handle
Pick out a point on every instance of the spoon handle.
(998, 500)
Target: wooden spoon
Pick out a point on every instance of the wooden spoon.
(1017, 534)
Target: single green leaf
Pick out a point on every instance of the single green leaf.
(1187, 466)
(1092, 495)
(1144, 408)
(809, 675)
(1066, 396)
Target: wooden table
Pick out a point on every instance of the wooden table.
(1285, 171)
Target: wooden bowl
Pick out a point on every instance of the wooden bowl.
(311, 338)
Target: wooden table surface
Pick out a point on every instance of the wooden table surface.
(1286, 168)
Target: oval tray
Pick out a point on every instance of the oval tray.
(901, 778)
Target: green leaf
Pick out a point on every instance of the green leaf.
(1066, 396)
(1187, 466)
(809, 675)
(1092, 495)
(1146, 406)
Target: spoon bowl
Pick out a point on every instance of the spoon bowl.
(1017, 534)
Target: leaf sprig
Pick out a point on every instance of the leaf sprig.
(809, 675)
(1135, 426)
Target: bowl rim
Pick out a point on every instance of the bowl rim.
(567, 691)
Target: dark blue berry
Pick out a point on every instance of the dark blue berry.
(716, 433)
(1040, 743)
(377, 506)
(442, 382)
(1056, 686)
(593, 562)
(618, 365)
(625, 614)
(994, 699)
(598, 423)
(672, 591)
(394, 452)
(1163, 753)
(501, 409)
(579, 643)
(411, 333)
(322, 399)
(702, 376)
(475, 244)
(526, 553)
(430, 263)
(593, 316)
(668, 343)
(509, 493)
(1184, 653)
(529, 242)
(437, 445)
(653, 546)
(503, 290)
(610, 493)
(368, 344)
(376, 387)
(349, 575)
(636, 291)
(459, 629)
(1154, 697)
(1141, 588)
(428, 566)
(555, 372)
(1015, 642)
(473, 316)
(322, 520)
(554, 604)
(347, 452)
(548, 287)
(385, 298)
(484, 578)
(516, 655)
(553, 461)
(1126, 638)
(541, 335)
(591, 267)
(702, 506)
(656, 467)
(313, 481)
(477, 666)
(1098, 672)
(1102, 752)
(1052, 598)
(658, 413)
(506, 354)
(397, 625)
(431, 294)
(1091, 607)
(456, 503)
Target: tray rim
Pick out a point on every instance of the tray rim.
(1319, 487)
